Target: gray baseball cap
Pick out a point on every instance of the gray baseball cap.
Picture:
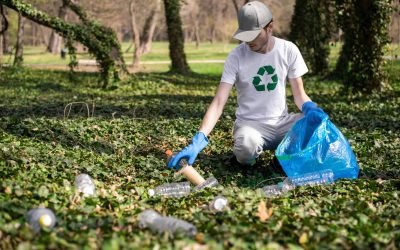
(252, 17)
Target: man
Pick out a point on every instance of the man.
(258, 68)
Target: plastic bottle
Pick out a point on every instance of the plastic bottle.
(308, 179)
(313, 178)
(177, 189)
(218, 204)
(85, 184)
(39, 218)
(272, 190)
(160, 224)
(210, 182)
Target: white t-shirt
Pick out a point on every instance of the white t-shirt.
(260, 79)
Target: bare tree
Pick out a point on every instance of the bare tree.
(4, 38)
(55, 40)
(142, 40)
(19, 47)
(192, 17)
(236, 4)
(135, 34)
(2, 29)
(148, 29)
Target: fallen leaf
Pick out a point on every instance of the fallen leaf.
(264, 213)
(303, 239)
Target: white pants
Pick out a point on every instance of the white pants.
(252, 137)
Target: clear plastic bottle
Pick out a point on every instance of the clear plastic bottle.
(272, 190)
(308, 179)
(85, 184)
(210, 182)
(39, 218)
(313, 178)
(177, 189)
(160, 224)
(218, 204)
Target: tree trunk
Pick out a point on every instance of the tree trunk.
(1, 50)
(148, 29)
(1, 44)
(196, 33)
(235, 4)
(6, 47)
(135, 35)
(55, 40)
(365, 26)
(175, 37)
(212, 34)
(313, 17)
(142, 41)
(19, 47)
(44, 37)
(2, 29)
(6, 44)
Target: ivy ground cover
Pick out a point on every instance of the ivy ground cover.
(53, 128)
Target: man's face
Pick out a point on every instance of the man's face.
(260, 43)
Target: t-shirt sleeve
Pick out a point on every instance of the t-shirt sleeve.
(297, 66)
(231, 67)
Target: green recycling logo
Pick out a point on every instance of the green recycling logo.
(257, 82)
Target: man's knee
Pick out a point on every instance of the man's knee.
(248, 145)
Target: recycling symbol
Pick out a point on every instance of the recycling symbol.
(257, 82)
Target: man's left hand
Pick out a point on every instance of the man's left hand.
(312, 112)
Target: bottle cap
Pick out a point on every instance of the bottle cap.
(169, 153)
(220, 203)
(45, 220)
(151, 192)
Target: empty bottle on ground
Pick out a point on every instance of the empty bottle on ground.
(218, 204)
(308, 179)
(210, 182)
(177, 189)
(85, 184)
(160, 224)
(39, 218)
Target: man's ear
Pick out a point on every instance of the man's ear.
(271, 26)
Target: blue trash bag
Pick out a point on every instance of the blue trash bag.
(315, 144)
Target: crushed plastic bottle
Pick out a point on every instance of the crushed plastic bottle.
(39, 218)
(177, 189)
(218, 204)
(160, 224)
(210, 182)
(85, 184)
(272, 190)
(313, 178)
(308, 179)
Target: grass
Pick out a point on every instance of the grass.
(122, 144)
(38, 56)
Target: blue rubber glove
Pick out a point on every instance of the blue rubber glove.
(313, 113)
(190, 152)
(310, 106)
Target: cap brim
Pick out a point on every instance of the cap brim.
(246, 35)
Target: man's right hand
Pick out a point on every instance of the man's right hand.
(190, 152)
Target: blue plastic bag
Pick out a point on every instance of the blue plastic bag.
(314, 144)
